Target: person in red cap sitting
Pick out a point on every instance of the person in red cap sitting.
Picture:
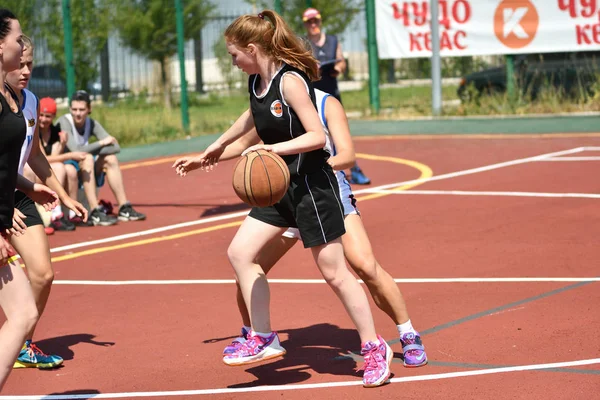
(52, 142)
(327, 49)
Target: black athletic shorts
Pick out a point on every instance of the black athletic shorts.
(312, 204)
(27, 207)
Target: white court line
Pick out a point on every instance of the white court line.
(150, 231)
(324, 385)
(572, 159)
(243, 213)
(488, 193)
(320, 281)
(591, 148)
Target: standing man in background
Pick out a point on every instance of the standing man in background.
(328, 51)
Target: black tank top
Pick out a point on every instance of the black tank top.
(12, 135)
(326, 54)
(276, 122)
(54, 137)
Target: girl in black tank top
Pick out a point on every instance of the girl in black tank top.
(12, 135)
(284, 114)
(275, 121)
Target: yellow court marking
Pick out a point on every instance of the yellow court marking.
(145, 241)
(426, 172)
(150, 162)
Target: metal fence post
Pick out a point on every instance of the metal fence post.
(373, 57)
(68, 31)
(105, 73)
(198, 56)
(436, 69)
(185, 117)
(510, 77)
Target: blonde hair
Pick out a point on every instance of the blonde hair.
(269, 31)
(28, 43)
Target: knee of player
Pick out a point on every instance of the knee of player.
(364, 265)
(335, 277)
(71, 172)
(236, 255)
(42, 276)
(111, 161)
(59, 169)
(88, 162)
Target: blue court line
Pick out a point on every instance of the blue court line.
(481, 314)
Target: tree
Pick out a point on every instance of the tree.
(337, 14)
(25, 12)
(149, 27)
(90, 23)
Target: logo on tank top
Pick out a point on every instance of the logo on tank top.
(31, 122)
(277, 109)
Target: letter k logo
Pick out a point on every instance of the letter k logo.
(516, 23)
(512, 22)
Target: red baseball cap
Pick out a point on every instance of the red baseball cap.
(311, 13)
(47, 105)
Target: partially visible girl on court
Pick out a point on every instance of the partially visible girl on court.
(283, 112)
(16, 296)
(357, 247)
(27, 235)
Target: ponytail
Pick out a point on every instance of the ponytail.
(269, 31)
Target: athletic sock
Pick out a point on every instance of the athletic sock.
(56, 213)
(263, 335)
(405, 327)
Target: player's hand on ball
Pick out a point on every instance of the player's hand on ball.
(266, 147)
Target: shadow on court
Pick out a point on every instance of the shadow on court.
(61, 345)
(80, 394)
(211, 209)
(314, 349)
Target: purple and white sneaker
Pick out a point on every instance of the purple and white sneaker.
(236, 343)
(254, 349)
(378, 358)
(413, 350)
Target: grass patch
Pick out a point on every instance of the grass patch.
(548, 101)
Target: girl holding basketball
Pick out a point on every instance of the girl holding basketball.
(283, 112)
(357, 247)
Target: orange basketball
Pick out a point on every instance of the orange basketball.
(261, 178)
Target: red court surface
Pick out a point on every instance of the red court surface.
(493, 242)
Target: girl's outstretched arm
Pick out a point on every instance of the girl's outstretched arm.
(210, 157)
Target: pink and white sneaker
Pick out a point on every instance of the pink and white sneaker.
(378, 358)
(236, 343)
(255, 349)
